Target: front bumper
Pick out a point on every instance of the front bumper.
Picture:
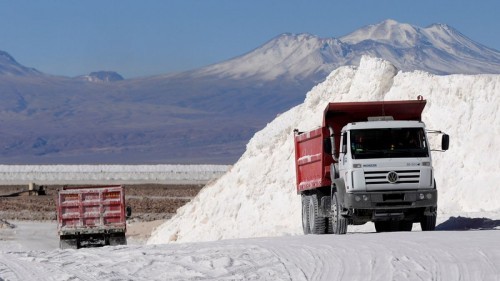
(385, 200)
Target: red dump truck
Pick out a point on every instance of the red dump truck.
(91, 216)
(370, 161)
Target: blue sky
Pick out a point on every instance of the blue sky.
(141, 38)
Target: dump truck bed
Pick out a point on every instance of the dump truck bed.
(91, 209)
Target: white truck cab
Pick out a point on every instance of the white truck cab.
(385, 155)
(370, 161)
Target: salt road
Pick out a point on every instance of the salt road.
(438, 255)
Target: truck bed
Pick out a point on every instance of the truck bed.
(87, 210)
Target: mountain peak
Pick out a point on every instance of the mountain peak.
(288, 55)
(438, 49)
(388, 31)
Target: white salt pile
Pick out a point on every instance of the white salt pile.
(257, 196)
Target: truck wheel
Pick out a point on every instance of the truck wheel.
(428, 223)
(337, 223)
(317, 224)
(305, 214)
(68, 244)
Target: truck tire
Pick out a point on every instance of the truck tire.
(305, 214)
(337, 224)
(317, 223)
(428, 222)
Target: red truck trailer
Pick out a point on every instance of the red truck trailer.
(370, 161)
(91, 216)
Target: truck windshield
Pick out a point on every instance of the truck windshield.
(388, 143)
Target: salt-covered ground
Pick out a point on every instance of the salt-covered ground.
(438, 255)
(256, 198)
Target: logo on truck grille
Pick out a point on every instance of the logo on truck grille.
(392, 177)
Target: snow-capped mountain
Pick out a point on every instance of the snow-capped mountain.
(286, 56)
(438, 49)
(205, 115)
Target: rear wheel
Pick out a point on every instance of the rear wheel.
(317, 223)
(428, 222)
(305, 214)
(337, 223)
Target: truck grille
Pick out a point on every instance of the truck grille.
(392, 177)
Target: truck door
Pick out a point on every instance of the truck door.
(343, 155)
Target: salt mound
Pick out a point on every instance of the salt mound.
(257, 196)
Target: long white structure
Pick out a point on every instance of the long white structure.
(123, 174)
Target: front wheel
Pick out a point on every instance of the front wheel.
(428, 222)
(338, 224)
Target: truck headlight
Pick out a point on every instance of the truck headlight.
(356, 166)
(421, 196)
(429, 196)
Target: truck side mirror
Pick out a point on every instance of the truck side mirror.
(343, 147)
(445, 142)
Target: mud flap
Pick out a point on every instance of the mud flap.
(326, 206)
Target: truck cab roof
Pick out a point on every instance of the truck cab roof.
(383, 125)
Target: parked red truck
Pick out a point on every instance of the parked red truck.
(91, 216)
(370, 161)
